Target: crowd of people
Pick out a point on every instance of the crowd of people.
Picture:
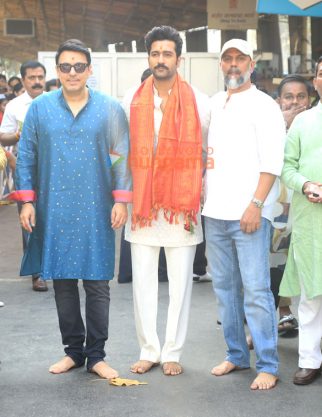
(76, 183)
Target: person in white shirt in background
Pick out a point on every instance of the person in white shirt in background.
(33, 75)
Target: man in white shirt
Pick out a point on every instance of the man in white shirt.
(168, 121)
(246, 135)
(33, 75)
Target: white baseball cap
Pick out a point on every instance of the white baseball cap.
(242, 46)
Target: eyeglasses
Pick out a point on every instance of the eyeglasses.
(79, 67)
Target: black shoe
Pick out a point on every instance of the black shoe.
(39, 284)
(305, 376)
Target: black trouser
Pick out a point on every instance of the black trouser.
(276, 278)
(71, 323)
(25, 236)
(200, 261)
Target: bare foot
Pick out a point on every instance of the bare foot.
(64, 365)
(264, 381)
(225, 368)
(172, 368)
(103, 370)
(142, 366)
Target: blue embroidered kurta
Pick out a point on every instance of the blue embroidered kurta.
(67, 161)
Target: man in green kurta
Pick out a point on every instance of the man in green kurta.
(302, 172)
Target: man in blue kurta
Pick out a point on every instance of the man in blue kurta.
(73, 178)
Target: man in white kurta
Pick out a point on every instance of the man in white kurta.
(164, 48)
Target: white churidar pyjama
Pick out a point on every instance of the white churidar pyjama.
(145, 297)
(310, 331)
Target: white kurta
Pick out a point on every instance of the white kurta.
(162, 233)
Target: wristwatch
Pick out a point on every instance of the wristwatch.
(258, 203)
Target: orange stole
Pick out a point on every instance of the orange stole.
(171, 177)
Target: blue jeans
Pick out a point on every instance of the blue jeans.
(239, 265)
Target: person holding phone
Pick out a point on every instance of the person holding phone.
(302, 172)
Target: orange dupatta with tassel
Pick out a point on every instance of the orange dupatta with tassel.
(169, 178)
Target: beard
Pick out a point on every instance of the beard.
(236, 82)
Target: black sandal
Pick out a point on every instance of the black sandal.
(288, 326)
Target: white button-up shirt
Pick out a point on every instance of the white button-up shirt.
(15, 113)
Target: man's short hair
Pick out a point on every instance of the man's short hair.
(163, 33)
(2, 76)
(17, 87)
(73, 45)
(14, 78)
(54, 82)
(317, 65)
(145, 74)
(293, 78)
(30, 64)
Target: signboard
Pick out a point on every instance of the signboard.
(232, 14)
(303, 4)
(291, 7)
